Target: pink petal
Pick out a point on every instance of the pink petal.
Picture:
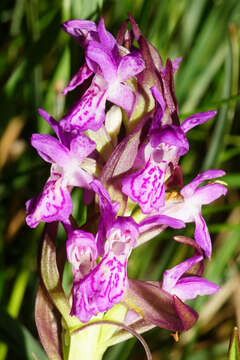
(83, 73)
(196, 119)
(105, 36)
(98, 53)
(209, 193)
(81, 146)
(158, 220)
(190, 287)
(146, 186)
(81, 252)
(160, 108)
(171, 277)
(50, 149)
(53, 204)
(100, 289)
(130, 65)
(189, 189)
(89, 112)
(202, 236)
(81, 30)
(123, 96)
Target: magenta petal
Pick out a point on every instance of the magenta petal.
(159, 220)
(81, 146)
(81, 30)
(196, 119)
(190, 287)
(122, 95)
(171, 277)
(89, 112)
(105, 36)
(103, 287)
(189, 189)
(202, 236)
(98, 53)
(53, 204)
(209, 193)
(146, 186)
(81, 252)
(171, 135)
(106, 206)
(50, 149)
(158, 96)
(83, 73)
(122, 237)
(108, 213)
(130, 65)
(160, 108)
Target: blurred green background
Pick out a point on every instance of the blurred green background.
(37, 60)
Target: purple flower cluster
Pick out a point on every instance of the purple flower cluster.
(136, 183)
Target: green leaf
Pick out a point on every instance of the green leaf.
(19, 339)
(234, 348)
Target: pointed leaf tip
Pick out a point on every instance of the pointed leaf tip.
(234, 346)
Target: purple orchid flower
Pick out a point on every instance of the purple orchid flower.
(160, 156)
(106, 283)
(85, 31)
(187, 287)
(109, 83)
(54, 203)
(186, 206)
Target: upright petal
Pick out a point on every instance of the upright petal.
(189, 189)
(196, 119)
(105, 36)
(160, 108)
(108, 213)
(63, 137)
(98, 53)
(202, 236)
(50, 149)
(171, 277)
